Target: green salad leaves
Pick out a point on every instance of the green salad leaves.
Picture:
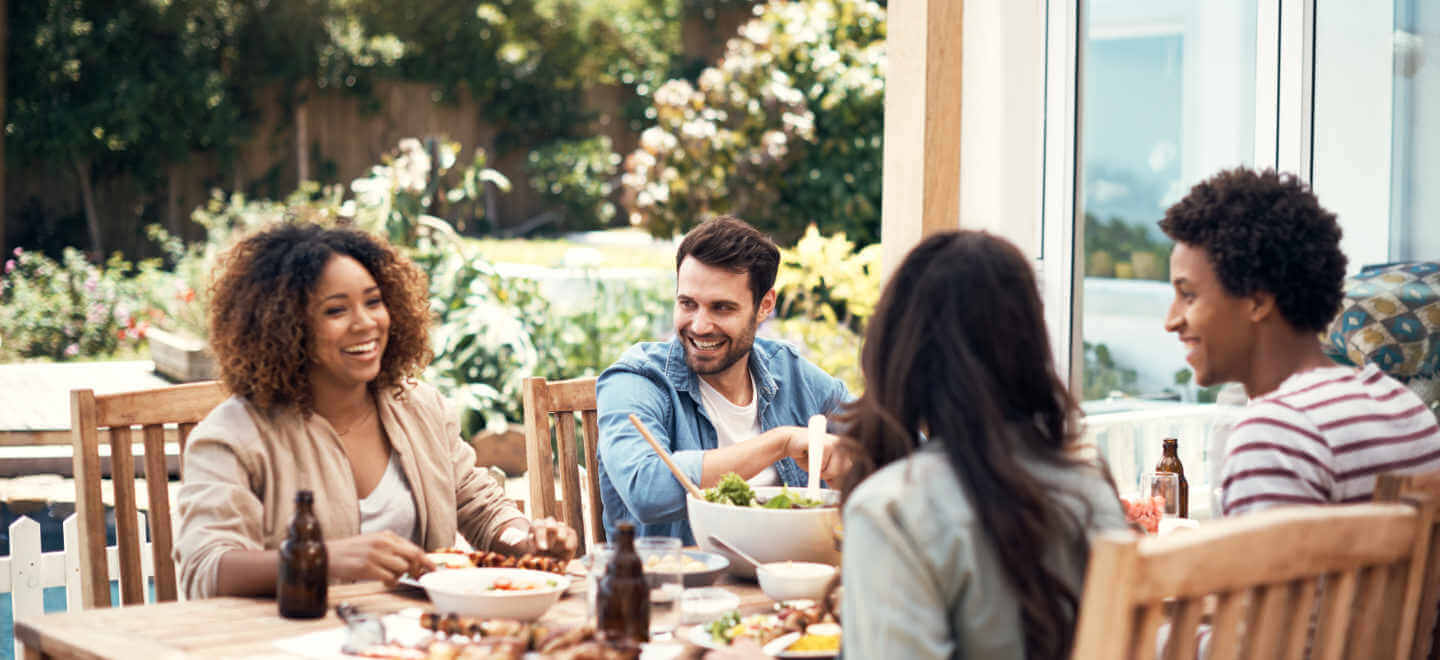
(735, 491)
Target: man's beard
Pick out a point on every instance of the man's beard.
(738, 348)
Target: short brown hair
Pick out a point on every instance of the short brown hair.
(728, 242)
(259, 328)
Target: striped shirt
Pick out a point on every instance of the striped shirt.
(1322, 436)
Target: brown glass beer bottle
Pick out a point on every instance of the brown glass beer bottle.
(1170, 462)
(300, 587)
(622, 599)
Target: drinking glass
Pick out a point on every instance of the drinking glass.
(596, 561)
(1167, 486)
(664, 572)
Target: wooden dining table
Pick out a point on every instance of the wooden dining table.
(249, 627)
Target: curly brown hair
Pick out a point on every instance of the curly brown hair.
(258, 312)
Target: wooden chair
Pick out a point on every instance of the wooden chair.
(183, 405)
(1345, 571)
(563, 399)
(1392, 487)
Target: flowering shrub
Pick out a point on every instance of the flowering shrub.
(827, 293)
(65, 310)
(784, 131)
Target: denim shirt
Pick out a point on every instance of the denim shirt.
(652, 381)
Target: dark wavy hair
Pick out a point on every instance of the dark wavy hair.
(957, 350)
(1266, 232)
(728, 242)
(259, 328)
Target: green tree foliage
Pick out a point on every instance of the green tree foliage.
(128, 88)
(784, 131)
(1104, 376)
(101, 88)
(576, 175)
(1116, 248)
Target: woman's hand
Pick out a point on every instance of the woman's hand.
(545, 536)
(383, 556)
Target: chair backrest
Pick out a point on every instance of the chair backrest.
(563, 399)
(182, 405)
(1393, 487)
(1343, 572)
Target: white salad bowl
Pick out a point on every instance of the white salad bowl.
(470, 592)
(769, 535)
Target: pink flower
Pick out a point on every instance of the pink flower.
(18, 251)
(72, 350)
(10, 264)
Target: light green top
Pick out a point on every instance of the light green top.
(921, 580)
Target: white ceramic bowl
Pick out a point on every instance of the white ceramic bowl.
(795, 580)
(769, 534)
(467, 592)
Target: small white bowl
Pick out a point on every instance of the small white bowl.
(466, 592)
(705, 604)
(795, 580)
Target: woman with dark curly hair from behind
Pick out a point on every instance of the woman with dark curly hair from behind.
(973, 543)
(319, 334)
(1257, 272)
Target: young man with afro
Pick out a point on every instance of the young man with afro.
(1258, 272)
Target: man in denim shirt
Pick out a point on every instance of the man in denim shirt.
(717, 397)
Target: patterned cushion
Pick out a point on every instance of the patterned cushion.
(1390, 317)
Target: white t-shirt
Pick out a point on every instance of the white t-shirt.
(735, 424)
(391, 505)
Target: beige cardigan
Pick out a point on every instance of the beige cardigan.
(243, 466)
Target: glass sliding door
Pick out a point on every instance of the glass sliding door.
(1415, 153)
(1167, 98)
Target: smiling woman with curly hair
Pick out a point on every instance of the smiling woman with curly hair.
(264, 285)
(319, 334)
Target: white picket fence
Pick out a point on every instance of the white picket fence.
(27, 572)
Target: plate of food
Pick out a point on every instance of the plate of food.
(513, 593)
(820, 640)
(414, 634)
(700, 569)
(448, 559)
(759, 630)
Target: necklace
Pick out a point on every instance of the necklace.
(369, 410)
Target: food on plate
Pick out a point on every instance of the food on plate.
(732, 489)
(506, 584)
(675, 564)
(449, 559)
(810, 642)
(763, 628)
(451, 637)
(455, 558)
(1145, 512)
